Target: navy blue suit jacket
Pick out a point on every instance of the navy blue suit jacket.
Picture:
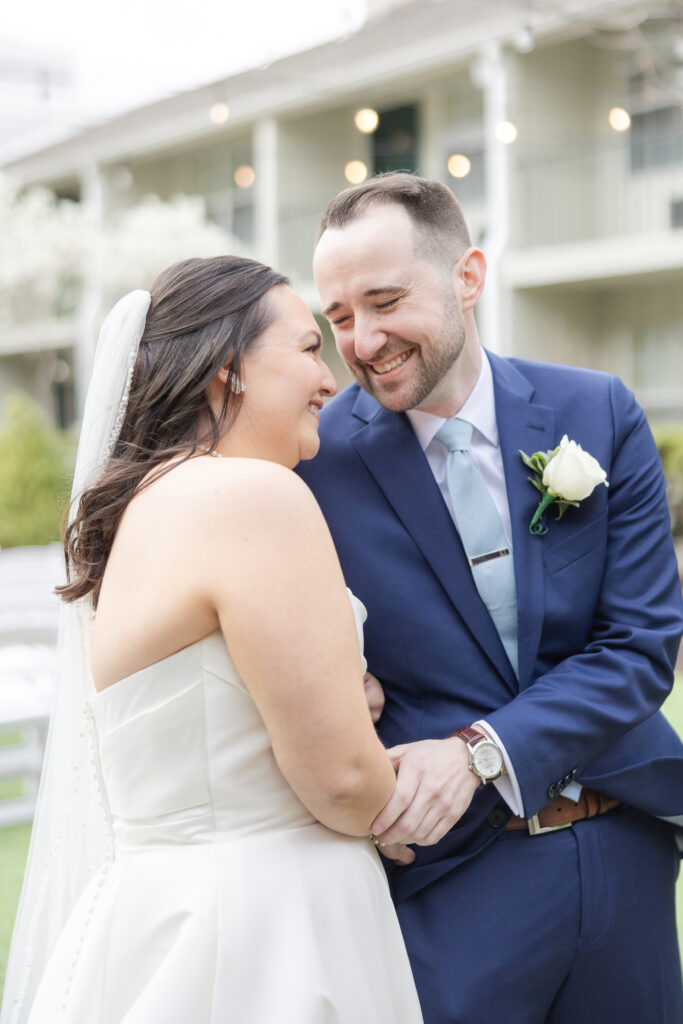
(599, 600)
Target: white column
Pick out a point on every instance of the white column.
(432, 156)
(494, 305)
(266, 190)
(90, 309)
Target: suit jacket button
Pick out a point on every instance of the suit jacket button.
(497, 818)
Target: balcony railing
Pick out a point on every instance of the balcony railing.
(601, 191)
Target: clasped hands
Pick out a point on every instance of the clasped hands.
(434, 788)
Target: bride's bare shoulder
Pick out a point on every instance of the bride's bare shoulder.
(237, 488)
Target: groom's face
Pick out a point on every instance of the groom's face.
(394, 312)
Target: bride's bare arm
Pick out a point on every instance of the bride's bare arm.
(284, 611)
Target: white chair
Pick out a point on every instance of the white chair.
(29, 617)
(29, 608)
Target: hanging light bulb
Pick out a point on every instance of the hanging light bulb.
(244, 176)
(619, 119)
(459, 166)
(506, 132)
(219, 113)
(366, 120)
(355, 172)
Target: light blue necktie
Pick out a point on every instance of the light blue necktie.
(481, 532)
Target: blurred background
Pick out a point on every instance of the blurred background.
(145, 132)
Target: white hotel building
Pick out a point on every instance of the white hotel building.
(558, 124)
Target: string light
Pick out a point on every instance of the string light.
(219, 113)
(619, 119)
(506, 132)
(355, 172)
(366, 120)
(459, 166)
(244, 176)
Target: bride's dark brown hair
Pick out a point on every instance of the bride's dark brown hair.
(203, 312)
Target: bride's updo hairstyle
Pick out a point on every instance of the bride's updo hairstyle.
(202, 313)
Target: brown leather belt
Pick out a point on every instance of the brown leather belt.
(562, 812)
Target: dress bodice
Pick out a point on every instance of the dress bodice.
(185, 756)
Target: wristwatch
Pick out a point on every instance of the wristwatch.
(486, 757)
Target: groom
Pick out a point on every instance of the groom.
(540, 883)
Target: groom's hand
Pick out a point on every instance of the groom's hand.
(398, 852)
(434, 788)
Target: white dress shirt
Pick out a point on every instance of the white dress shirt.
(480, 411)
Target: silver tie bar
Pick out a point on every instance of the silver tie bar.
(490, 555)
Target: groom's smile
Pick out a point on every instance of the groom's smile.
(394, 312)
(382, 369)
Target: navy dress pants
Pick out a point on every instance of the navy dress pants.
(572, 927)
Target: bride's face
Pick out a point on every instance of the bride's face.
(285, 382)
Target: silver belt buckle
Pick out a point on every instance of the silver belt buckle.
(536, 829)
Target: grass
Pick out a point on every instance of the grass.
(13, 850)
(673, 706)
(10, 788)
(673, 709)
(14, 847)
(8, 739)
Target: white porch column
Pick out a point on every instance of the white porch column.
(266, 190)
(90, 309)
(494, 305)
(432, 155)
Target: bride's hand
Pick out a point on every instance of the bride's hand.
(374, 694)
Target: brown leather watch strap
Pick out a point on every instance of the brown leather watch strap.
(469, 735)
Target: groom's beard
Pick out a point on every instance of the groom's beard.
(431, 360)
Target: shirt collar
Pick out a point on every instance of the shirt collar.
(479, 410)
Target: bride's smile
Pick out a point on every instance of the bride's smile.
(285, 382)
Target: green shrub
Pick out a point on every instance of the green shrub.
(670, 443)
(36, 463)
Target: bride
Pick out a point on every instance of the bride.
(201, 850)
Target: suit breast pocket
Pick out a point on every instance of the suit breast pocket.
(590, 539)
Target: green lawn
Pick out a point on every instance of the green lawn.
(673, 709)
(14, 845)
(13, 850)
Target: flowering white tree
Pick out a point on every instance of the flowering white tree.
(48, 245)
(41, 252)
(149, 236)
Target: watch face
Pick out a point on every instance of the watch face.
(487, 760)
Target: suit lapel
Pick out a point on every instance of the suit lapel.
(527, 426)
(392, 454)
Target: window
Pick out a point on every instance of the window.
(656, 138)
(394, 143)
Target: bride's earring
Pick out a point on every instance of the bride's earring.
(237, 386)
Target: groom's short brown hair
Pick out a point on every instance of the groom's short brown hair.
(432, 207)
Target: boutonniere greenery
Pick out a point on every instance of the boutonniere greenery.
(564, 476)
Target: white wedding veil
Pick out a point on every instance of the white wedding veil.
(71, 840)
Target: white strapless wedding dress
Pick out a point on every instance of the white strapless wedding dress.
(226, 903)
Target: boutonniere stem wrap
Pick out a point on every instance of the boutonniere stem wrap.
(564, 476)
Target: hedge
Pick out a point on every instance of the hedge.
(36, 465)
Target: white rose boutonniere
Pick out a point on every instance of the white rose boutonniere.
(565, 476)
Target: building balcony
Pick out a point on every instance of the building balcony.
(619, 188)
